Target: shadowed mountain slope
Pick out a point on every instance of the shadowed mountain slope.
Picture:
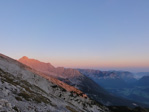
(121, 83)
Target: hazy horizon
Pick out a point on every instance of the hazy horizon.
(129, 69)
(105, 35)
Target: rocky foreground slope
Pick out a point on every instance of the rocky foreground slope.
(26, 90)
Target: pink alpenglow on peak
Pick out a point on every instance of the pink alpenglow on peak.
(35, 64)
(49, 69)
(24, 57)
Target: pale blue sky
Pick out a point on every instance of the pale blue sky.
(101, 34)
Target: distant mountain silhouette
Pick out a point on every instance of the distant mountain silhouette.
(144, 81)
(114, 79)
(121, 83)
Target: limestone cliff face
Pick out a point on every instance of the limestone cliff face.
(46, 67)
(50, 69)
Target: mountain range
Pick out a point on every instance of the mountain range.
(24, 89)
(28, 85)
(82, 82)
(121, 83)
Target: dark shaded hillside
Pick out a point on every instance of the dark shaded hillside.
(139, 75)
(121, 84)
(127, 109)
(144, 81)
(94, 91)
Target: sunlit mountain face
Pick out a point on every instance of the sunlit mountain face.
(49, 69)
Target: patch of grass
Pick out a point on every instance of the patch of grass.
(71, 109)
(8, 78)
(25, 95)
(41, 98)
(36, 88)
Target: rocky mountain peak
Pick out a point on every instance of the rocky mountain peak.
(24, 57)
(49, 69)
